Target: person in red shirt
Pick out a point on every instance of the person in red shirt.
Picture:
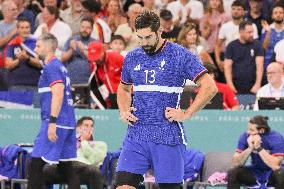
(107, 64)
(230, 101)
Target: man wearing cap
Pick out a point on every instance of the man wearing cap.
(107, 64)
(75, 53)
(266, 149)
(170, 31)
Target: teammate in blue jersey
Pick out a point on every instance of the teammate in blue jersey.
(155, 138)
(266, 149)
(56, 141)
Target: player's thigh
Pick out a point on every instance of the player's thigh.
(69, 147)
(134, 157)
(168, 162)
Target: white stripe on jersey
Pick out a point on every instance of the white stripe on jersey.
(64, 127)
(158, 88)
(44, 89)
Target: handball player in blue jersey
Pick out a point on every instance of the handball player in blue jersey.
(56, 141)
(266, 149)
(155, 138)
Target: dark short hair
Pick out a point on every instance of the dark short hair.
(92, 5)
(261, 122)
(23, 19)
(148, 19)
(82, 119)
(118, 37)
(88, 19)
(276, 5)
(166, 14)
(244, 23)
(238, 3)
(53, 11)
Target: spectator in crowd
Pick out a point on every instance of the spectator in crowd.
(52, 24)
(244, 61)
(127, 31)
(275, 86)
(266, 149)
(24, 69)
(266, 7)
(278, 52)
(101, 30)
(89, 151)
(170, 31)
(255, 14)
(230, 101)
(184, 9)
(8, 30)
(189, 37)
(46, 3)
(108, 65)
(273, 33)
(75, 53)
(118, 44)
(115, 15)
(229, 32)
(211, 22)
(56, 140)
(73, 15)
(26, 13)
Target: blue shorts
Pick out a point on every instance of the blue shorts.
(140, 156)
(64, 149)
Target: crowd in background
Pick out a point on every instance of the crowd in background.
(237, 39)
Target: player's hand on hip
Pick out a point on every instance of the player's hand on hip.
(51, 132)
(128, 116)
(175, 114)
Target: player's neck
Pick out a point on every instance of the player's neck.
(48, 58)
(160, 44)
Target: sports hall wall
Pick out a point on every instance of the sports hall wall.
(209, 130)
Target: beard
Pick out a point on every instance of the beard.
(41, 57)
(85, 35)
(149, 49)
(278, 21)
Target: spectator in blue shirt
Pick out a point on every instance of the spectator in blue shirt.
(243, 64)
(75, 53)
(24, 69)
(273, 32)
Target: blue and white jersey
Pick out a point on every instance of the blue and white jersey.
(158, 82)
(52, 73)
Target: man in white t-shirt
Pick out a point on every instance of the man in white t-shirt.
(230, 31)
(180, 10)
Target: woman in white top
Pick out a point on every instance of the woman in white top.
(189, 37)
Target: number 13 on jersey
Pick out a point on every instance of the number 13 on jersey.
(150, 76)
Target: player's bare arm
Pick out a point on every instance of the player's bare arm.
(124, 104)
(57, 92)
(274, 162)
(207, 91)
